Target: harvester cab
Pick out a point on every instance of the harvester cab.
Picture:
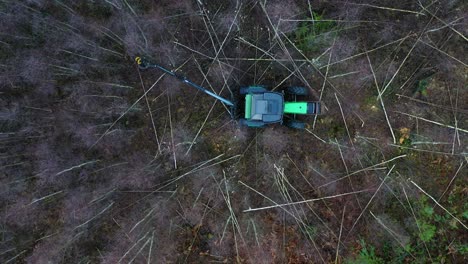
(261, 107)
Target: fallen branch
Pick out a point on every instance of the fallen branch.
(45, 197)
(301, 202)
(361, 170)
(381, 100)
(451, 181)
(339, 237)
(433, 199)
(433, 122)
(76, 167)
(370, 200)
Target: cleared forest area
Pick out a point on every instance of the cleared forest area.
(102, 162)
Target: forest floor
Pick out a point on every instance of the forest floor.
(101, 162)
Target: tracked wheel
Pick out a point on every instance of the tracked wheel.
(251, 123)
(295, 124)
(297, 90)
(252, 89)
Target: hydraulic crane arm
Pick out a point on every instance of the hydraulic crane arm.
(144, 64)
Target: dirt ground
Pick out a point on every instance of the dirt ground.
(101, 162)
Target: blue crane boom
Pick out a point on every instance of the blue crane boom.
(143, 64)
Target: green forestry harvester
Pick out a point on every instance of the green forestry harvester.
(261, 107)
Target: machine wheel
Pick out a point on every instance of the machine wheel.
(296, 90)
(295, 124)
(255, 89)
(255, 124)
(242, 121)
(251, 123)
